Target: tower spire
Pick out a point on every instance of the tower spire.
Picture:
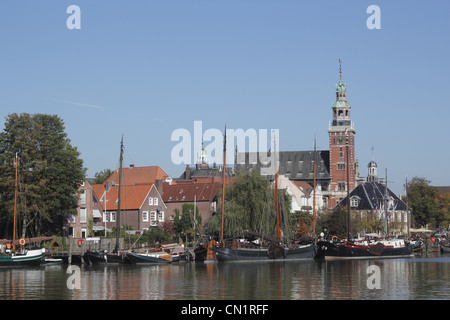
(340, 70)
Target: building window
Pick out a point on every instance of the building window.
(354, 201)
(82, 215)
(145, 216)
(113, 217)
(161, 216)
(155, 201)
(83, 197)
(341, 186)
(150, 201)
(341, 166)
(153, 216)
(105, 216)
(71, 218)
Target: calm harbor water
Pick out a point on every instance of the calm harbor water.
(418, 278)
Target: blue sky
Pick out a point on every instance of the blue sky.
(146, 68)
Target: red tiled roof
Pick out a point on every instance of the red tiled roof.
(139, 175)
(188, 192)
(132, 196)
(302, 185)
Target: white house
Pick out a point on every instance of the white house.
(302, 194)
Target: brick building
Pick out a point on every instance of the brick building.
(336, 168)
(88, 213)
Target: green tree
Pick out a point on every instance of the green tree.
(422, 198)
(443, 215)
(184, 223)
(250, 204)
(102, 176)
(336, 222)
(49, 171)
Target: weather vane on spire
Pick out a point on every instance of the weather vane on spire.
(340, 69)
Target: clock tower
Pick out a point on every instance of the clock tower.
(342, 147)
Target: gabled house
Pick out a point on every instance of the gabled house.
(203, 195)
(88, 214)
(141, 206)
(371, 200)
(149, 198)
(302, 194)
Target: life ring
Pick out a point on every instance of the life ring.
(22, 242)
(80, 242)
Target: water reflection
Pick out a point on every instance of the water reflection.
(415, 278)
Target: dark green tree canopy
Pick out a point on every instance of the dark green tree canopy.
(102, 176)
(49, 172)
(423, 199)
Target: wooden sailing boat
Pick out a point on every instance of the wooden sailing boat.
(14, 253)
(271, 250)
(96, 257)
(291, 250)
(208, 254)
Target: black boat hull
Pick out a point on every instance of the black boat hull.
(334, 251)
(266, 254)
(91, 257)
(200, 253)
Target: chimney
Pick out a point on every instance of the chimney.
(159, 186)
(108, 185)
(187, 173)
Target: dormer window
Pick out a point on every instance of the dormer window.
(354, 201)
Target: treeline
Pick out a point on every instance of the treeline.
(429, 207)
(50, 170)
(49, 173)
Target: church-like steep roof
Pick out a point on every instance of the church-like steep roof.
(372, 197)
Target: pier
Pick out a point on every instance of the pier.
(72, 249)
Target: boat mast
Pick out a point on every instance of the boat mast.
(348, 186)
(223, 180)
(15, 199)
(407, 206)
(314, 193)
(386, 203)
(276, 188)
(116, 250)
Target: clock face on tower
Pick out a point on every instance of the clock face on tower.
(340, 140)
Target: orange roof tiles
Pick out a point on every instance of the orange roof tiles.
(132, 196)
(139, 175)
(304, 186)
